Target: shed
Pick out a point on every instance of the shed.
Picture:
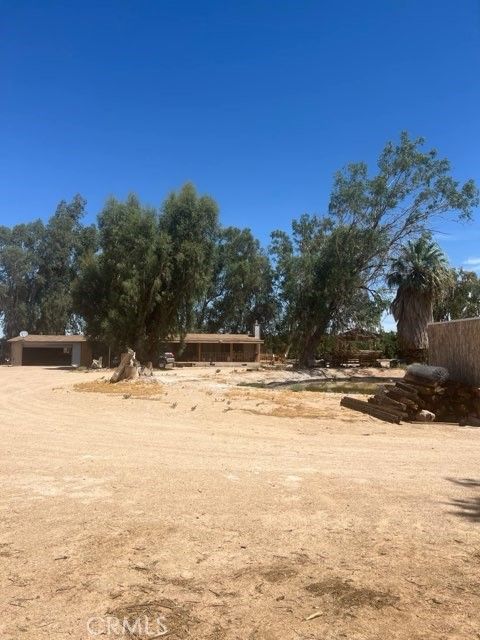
(43, 350)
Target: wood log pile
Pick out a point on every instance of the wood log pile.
(425, 394)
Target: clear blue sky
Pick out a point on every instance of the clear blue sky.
(257, 102)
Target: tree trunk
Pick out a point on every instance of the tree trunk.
(312, 339)
(130, 372)
(125, 361)
(412, 311)
(307, 352)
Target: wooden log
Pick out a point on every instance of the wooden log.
(421, 382)
(386, 399)
(372, 410)
(409, 388)
(405, 393)
(460, 393)
(409, 405)
(398, 395)
(394, 392)
(388, 408)
(427, 392)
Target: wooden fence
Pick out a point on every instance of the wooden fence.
(455, 345)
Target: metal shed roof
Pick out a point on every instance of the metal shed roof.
(213, 338)
(44, 338)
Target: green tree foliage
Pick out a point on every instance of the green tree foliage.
(388, 343)
(461, 299)
(37, 266)
(241, 285)
(191, 224)
(321, 286)
(151, 270)
(20, 259)
(420, 273)
(63, 246)
(326, 261)
(119, 286)
(144, 274)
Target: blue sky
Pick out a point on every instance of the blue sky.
(257, 102)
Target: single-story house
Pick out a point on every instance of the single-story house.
(50, 350)
(216, 347)
(61, 350)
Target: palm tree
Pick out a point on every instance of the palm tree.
(420, 273)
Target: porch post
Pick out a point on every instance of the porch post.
(231, 352)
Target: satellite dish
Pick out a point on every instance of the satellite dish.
(23, 334)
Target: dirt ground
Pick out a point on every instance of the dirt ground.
(230, 512)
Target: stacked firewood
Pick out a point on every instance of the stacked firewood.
(458, 403)
(425, 394)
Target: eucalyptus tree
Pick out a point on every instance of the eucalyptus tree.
(38, 263)
(151, 269)
(20, 258)
(190, 222)
(118, 285)
(62, 248)
(240, 291)
(326, 260)
(460, 299)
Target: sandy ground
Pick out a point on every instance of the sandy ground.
(231, 512)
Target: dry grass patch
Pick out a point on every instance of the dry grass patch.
(147, 388)
(295, 411)
(344, 594)
(270, 396)
(281, 404)
(349, 386)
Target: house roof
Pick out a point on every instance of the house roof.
(215, 338)
(43, 338)
(210, 338)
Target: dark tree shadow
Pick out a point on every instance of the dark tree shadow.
(468, 508)
(465, 482)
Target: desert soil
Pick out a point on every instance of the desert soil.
(231, 512)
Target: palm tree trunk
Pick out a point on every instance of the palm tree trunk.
(413, 312)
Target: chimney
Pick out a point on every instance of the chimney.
(256, 330)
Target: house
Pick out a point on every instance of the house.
(217, 347)
(50, 350)
(74, 351)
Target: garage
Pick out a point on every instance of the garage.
(60, 356)
(50, 351)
